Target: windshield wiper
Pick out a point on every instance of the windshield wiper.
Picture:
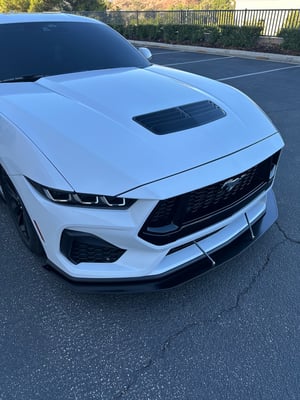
(23, 78)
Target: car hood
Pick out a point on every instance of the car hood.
(83, 123)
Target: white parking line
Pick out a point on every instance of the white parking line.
(199, 61)
(258, 73)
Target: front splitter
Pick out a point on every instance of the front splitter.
(182, 274)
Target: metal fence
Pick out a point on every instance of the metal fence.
(272, 21)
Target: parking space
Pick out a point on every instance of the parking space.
(232, 334)
(217, 67)
(176, 58)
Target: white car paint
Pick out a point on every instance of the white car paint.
(75, 132)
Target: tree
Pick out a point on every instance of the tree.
(51, 5)
(140, 5)
(87, 5)
(14, 5)
(44, 5)
(217, 4)
(67, 5)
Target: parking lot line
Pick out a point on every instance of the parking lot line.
(199, 61)
(258, 73)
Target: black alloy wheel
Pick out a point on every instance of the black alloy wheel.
(20, 215)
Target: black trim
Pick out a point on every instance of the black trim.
(185, 272)
(191, 212)
(180, 118)
(80, 247)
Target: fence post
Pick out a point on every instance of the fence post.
(245, 16)
(137, 17)
(181, 16)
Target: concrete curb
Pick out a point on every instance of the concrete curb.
(223, 52)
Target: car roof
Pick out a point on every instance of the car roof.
(12, 18)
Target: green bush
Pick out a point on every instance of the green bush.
(249, 35)
(118, 28)
(183, 34)
(148, 32)
(170, 33)
(211, 34)
(188, 34)
(291, 39)
(225, 36)
(130, 32)
(239, 36)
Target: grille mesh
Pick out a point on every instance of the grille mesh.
(182, 215)
(83, 247)
(84, 252)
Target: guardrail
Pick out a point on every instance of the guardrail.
(272, 21)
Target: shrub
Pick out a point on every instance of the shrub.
(130, 32)
(291, 39)
(185, 34)
(211, 34)
(239, 36)
(118, 28)
(148, 32)
(225, 36)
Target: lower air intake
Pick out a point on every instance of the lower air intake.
(81, 247)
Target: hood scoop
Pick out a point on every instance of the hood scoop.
(180, 118)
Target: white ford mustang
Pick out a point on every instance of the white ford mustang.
(124, 174)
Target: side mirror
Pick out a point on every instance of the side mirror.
(145, 52)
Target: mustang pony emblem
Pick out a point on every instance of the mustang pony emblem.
(232, 183)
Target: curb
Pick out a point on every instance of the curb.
(223, 52)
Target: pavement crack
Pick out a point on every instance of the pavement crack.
(139, 372)
(287, 237)
(156, 356)
(253, 280)
(160, 353)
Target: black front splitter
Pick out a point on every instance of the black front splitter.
(182, 274)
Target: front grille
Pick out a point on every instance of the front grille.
(82, 247)
(182, 215)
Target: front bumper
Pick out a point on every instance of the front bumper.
(184, 272)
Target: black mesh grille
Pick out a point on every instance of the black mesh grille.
(185, 214)
(82, 247)
(180, 118)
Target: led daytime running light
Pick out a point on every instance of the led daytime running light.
(82, 199)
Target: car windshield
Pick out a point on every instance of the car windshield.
(38, 49)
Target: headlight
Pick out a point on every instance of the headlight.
(82, 199)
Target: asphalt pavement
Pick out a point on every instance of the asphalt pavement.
(231, 334)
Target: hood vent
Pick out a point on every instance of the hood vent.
(180, 118)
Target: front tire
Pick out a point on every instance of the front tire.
(20, 215)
